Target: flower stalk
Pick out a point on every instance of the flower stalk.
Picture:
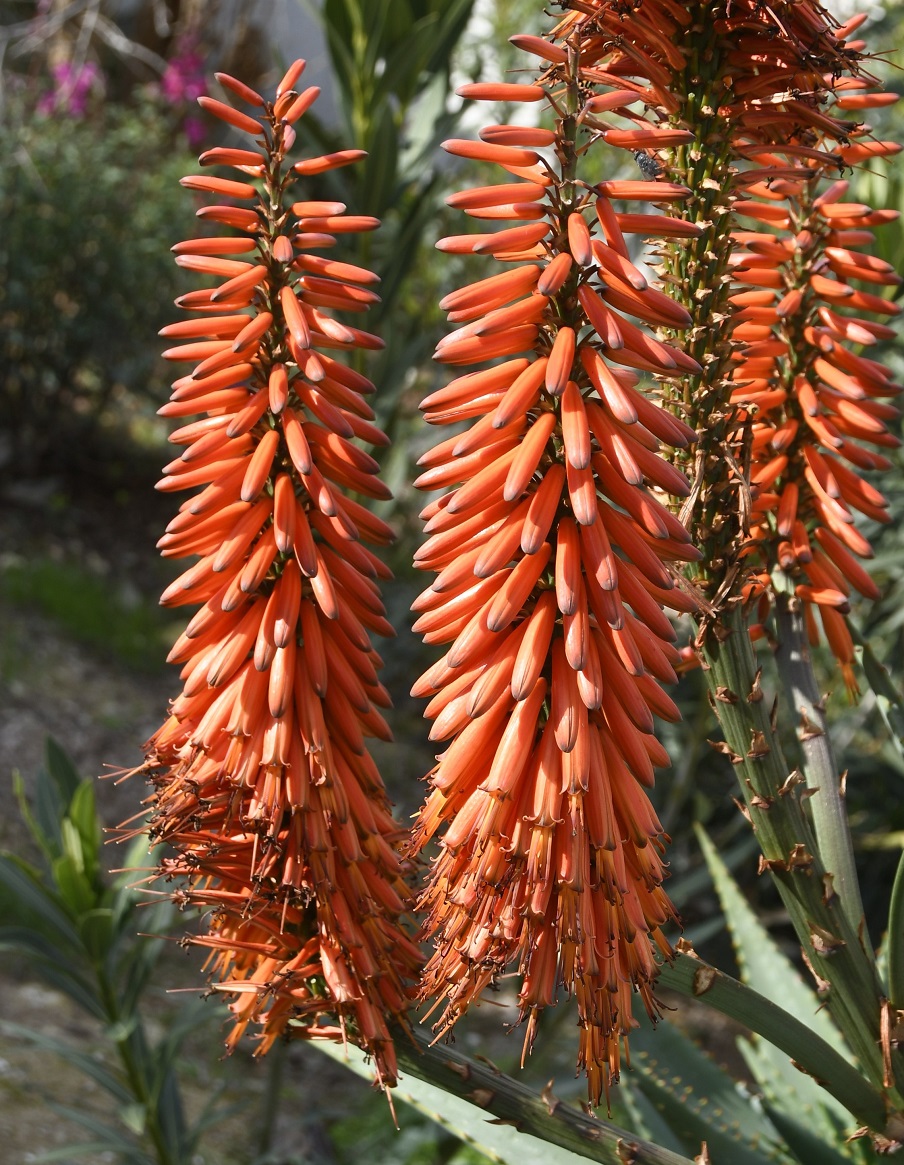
(775, 804)
(799, 688)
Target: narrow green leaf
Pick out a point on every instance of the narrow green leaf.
(699, 1100)
(123, 1029)
(382, 144)
(768, 971)
(171, 1115)
(134, 1116)
(75, 889)
(44, 822)
(213, 1113)
(894, 942)
(96, 929)
(83, 815)
(115, 1141)
(84, 1062)
(62, 771)
(34, 901)
(80, 990)
(72, 844)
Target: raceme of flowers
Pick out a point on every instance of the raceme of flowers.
(264, 786)
(553, 558)
(771, 139)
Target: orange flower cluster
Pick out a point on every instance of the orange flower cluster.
(553, 557)
(772, 98)
(264, 786)
(811, 402)
(742, 74)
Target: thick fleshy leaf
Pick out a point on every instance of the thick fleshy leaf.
(472, 1124)
(699, 1100)
(768, 971)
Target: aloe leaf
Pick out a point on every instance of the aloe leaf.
(696, 979)
(768, 971)
(888, 699)
(698, 1100)
(824, 1129)
(644, 1117)
(465, 1121)
(762, 964)
(894, 943)
(85, 1063)
(808, 1148)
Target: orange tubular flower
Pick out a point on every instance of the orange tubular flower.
(264, 788)
(554, 558)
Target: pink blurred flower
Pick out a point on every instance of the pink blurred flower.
(72, 87)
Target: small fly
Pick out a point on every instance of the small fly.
(649, 165)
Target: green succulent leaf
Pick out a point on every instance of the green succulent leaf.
(769, 972)
(698, 1100)
(808, 1148)
(644, 1117)
(894, 942)
(889, 700)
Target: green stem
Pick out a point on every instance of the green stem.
(276, 1070)
(129, 1048)
(833, 835)
(692, 977)
(844, 969)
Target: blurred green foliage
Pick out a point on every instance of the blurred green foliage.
(78, 932)
(112, 620)
(90, 209)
